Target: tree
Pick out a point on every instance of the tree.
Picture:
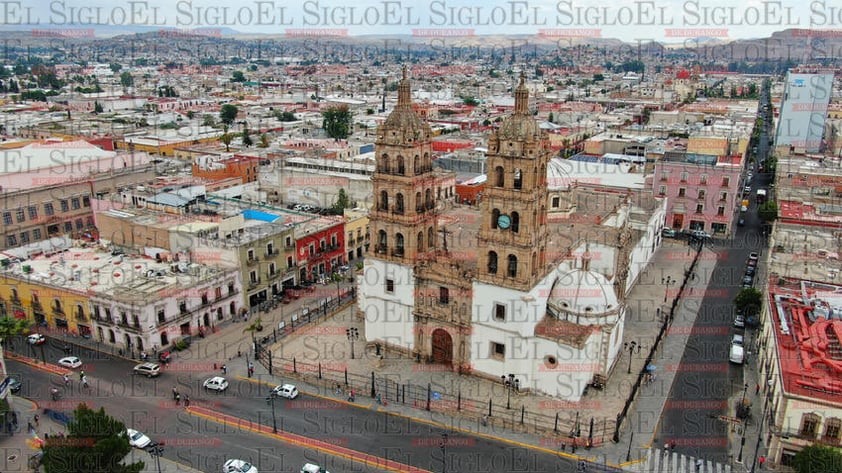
(768, 211)
(470, 101)
(264, 141)
(256, 326)
(10, 327)
(207, 120)
(342, 202)
(97, 107)
(285, 116)
(551, 118)
(246, 137)
(228, 113)
(748, 301)
(126, 79)
(336, 121)
(598, 77)
(226, 138)
(95, 443)
(115, 67)
(817, 459)
(238, 76)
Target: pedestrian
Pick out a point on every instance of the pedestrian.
(338, 389)
(81, 375)
(379, 399)
(29, 427)
(757, 389)
(36, 419)
(174, 392)
(699, 464)
(485, 421)
(66, 380)
(186, 401)
(84, 381)
(178, 399)
(224, 369)
(761, 461)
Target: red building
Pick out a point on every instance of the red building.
(215, 168)
(320, 247)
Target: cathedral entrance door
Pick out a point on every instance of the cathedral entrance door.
(442, 347)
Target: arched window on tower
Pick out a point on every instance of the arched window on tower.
(399, 203)
(420, 241)
(512, 270)
(431, 238)
(518, 182)
(401, 166)
(428, 199)
(399, 244)
(419, 205)
(384, 200)
(498, 176)
(495, 215)
(382, 241)
(534, 263)
(515, 222)
(492, 262)
(416, 165)
(384, 164)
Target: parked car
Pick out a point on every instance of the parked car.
(699, 234)
(138, 439)
(287, 390)
(217, 383)
(741, 222)
(739, 321)
(238, 466)
(747, 281)
(311, 468)
(147, 369)
(14, 385)
(669, 232)
(70, 362)
(36, 339)
(753, 256)
(750, 270)
(737, 352)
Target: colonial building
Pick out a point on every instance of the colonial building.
(478, 290)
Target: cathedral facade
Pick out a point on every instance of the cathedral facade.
(517, 307)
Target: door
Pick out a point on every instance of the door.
(442, 347)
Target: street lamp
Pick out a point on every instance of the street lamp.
(509, 382)
(271, 400)
(743, 401)
(632, 347)
(669, 281)
(353, 333)
(156, 450)
(443, 453)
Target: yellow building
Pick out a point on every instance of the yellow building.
(357, 233)
(26, 297)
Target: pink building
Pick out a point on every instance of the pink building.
(703, 191)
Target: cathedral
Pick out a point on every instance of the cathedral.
(494, 293)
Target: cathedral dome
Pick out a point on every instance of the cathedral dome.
(581, 291)
(403, 122)
(521, 124)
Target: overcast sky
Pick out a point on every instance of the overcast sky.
(665, 20)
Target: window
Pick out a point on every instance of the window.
(662, 190)
(399, 246)
(7, 218)
(723, 196)
(384, 200)
(681, 191)
(95, 311)
(498, 176)
(720, 211)
(64, 206)
(515, 222)
(401, 166)
(11, 240)
(24, 238)
(182, 306)
(322, 244)
(701, 193)
(444, 295)
(86, 201)
(312, 249)
(36, 233)
(74, 203)
(500, 312)
(68, 227)
(700, 208)
(726, 181)
(230, 289)
(684, 176)
(809, 425)
(334, 241)
(48, 208)
(665, 176)
(271, 269)
(495, 215)
(161, 315)
(399, 203)
(703, 179)
(492, 262)
(831, 432)
(253, 276)
(79, 224)
(250, 255)
(19, 214)
(518, 181)
(498, 350)
(33, 212)
(288, 242)
(555, 202)
(390, 286)
(512, 270)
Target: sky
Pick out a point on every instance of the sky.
(662, 20)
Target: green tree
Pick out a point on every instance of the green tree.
(238, 76)
(208, 120)
(817, 459)
(342, 202)
(95, 443)
(246, 137)
(253, 328)
(228, 113)
(264, 141)
(126, 79)
(551, 118)
(285, 116)
(10, 327)
(598, 77)
(336, 121)
(115, 68)
(97, 107)
(470, 101)
(748, 301)
(226, 138)
(768, 211)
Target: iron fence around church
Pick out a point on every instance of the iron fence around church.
(562, 429)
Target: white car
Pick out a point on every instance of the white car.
(238, 466)
(287, 390)
(138, 439)
(36, 339)
(311, 468)
(217, 383)
(70, 362)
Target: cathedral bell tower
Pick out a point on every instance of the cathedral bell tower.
(403, 217)
(513, 232)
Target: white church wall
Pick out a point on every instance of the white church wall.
(572, 371)
(388, 315)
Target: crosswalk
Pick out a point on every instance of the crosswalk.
(660, 461)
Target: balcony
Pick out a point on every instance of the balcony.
(350, 242)
(36, 305)
(105, 321)
(252, 261)
(81, 317)
(398, 253)
(273, 253)
(380, 249)
(289, 247)
(129, 327)
(254, 283)
(58, 311)
(274, 275)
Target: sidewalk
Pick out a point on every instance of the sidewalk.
(19, 448)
